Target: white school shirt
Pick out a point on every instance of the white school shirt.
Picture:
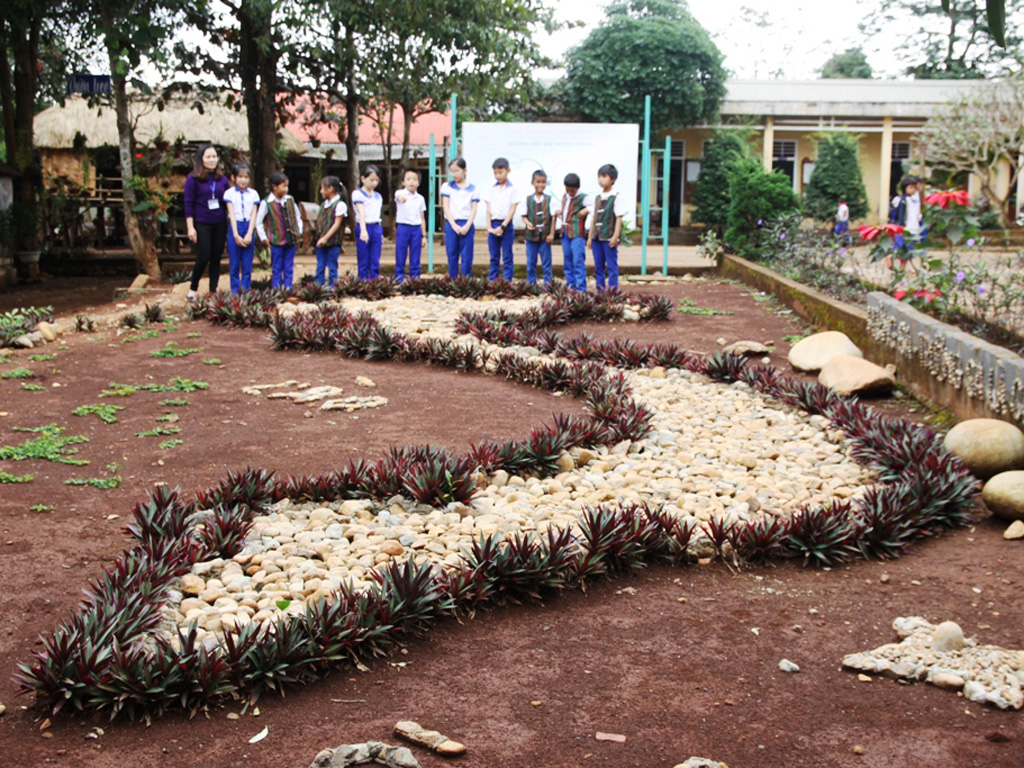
(409, 212)
(371, 205)
(261, 214)
(460, 199)
(500, 199)
(340, 209)
(913, 219)
(618, 207)
(552, 205)
(843, 214)
(243, 201)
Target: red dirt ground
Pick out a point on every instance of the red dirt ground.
(674, 665)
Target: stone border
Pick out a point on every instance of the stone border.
(937, 361)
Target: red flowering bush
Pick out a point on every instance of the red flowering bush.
(946, 197)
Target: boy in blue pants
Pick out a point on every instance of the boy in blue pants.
(410, 225)
(540, 229)
(574, 241)
(500, 200)
(329, 232)
(279, 224)
(606, 228)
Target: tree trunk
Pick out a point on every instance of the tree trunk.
(258, 73)
(19, 99)
(407, 118)
(144, 250)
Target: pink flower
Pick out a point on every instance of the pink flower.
(945, 197)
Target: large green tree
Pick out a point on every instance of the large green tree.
(755, 197)
(711, 196)
(836, 178)
(947, 39)
(851, 63)
(646, 47)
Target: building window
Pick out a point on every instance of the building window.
(901, 150)
(783, 149)
(704, 147)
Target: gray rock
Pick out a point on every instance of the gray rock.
(788, 666)
(701, 762)
(814, 352)
(398, 757)
(23, 341)
(1004, 495)
(987, 446)
(335, 531)
(849, 374)
(747, 348)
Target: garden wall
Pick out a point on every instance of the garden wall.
(938, 362)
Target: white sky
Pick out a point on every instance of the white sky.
(801, 35)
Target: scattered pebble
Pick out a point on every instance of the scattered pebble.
(788, 666)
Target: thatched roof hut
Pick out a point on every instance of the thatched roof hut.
(58, 126)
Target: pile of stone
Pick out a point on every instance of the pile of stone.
(45, 333)
(840, 365)
(304, 393)
(942, 656)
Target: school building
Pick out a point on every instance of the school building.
(787, 117)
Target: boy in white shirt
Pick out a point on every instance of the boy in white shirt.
(606, 228)
(539, 216)
(500, 201)
(410, 225)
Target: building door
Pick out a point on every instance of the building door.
(784, 159)
(675, 182)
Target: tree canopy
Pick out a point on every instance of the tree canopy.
(711, 196)
(646, 47)
(836, 179)
(851, 63)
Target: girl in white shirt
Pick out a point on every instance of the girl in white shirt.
(459, 201)
(367, 203)
(241, 202)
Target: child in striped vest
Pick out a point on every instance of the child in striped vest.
(329, 230)
(606, 228)
(574, 239)
(279, 223)
(540, 228)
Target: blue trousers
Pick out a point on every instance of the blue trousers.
(501, 247)
(606, 260)
(459, 246)
(327, 260)
(408, 242)
(533, 247)
(574, 250)
(240, 260)
(368, 253)
(282, 262)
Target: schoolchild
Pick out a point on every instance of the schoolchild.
(842, 230)
(606, 228)
(330, 232)
(539, 217)
(459, 201)
(279, 224)
(500, 201)
(908, 214)
(410, 225)
(574, 239)
(205, 215)
(241, 202)
(368, 203)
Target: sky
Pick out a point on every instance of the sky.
(800, 38)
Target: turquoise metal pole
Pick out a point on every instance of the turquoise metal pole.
(666, 176)
(431, 189)
(453, 143)
(645, 186)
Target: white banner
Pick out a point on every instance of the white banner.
(557, 149)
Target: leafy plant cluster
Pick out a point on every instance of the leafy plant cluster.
(50, 444)
(97, 659)
(107, 413)
(176, 384)
(18, 373)
(18, 322)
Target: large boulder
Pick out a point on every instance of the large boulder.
(847, 375)
(1004, 495)
(812, 353)
(987, 446)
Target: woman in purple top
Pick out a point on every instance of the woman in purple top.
(206, 215)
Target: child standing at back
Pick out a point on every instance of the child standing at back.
(500, 201)
(329, 230)
(606, 228)
(574, 241)
(410, 225)
(241, 203)
(539, 217)
(368, 204)
(279, 223)
(459, 201)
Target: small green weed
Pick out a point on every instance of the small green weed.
(41, 508)
(118, 390)
(107, 413)
(211, 361)
(763, 297)
(32, 387)
(137, 336)
(171, 349)
(41, 358)
(7, 477)
(792, 338)
(103, 483)
(171, 443)
(18, 373)
(177, 384)
(689, 307)
(63, 347)
(168, 417)
(159, 432)
(50, 445)
(175, 402)
(193, 335)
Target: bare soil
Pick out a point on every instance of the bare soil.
(667, 658)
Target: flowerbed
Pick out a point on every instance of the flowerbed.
(105, 656)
